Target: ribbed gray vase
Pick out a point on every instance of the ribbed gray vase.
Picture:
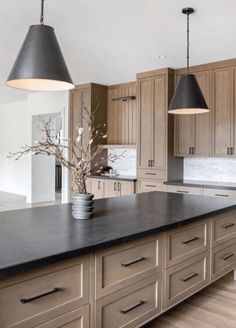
(82, 206)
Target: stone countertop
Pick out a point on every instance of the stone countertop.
(114, 177)
(35, 237)
(202, 184)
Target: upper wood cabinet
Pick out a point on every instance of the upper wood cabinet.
(92, 99)
(193, 132)
(153, 121)
(222, 111)
(122, 115)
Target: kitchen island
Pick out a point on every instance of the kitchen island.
(137, 258)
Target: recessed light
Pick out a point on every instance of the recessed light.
(161, 57)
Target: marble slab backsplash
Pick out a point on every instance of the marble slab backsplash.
(126, 165)
(210, 169)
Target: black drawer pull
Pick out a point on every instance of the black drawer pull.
(228, 225)
(150, 173)
(183, 191)
(139, 303)
(28, 300)
(191, 276)
(151, 186)
(221, 195)
(189, 240)
(226, 257)
(138, 259)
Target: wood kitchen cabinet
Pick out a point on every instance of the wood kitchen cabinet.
(193, 132)
(105, 188)
(89, 99)
(114, 188)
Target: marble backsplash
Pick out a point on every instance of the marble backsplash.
(210, 169)
(126, 165)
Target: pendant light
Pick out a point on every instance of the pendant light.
(40, 65)
(188, 97)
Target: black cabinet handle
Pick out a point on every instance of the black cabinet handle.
(149, 163)
(191, 276)
(228, 225)
(114, 186)
(149, 173)
(138, 259)
(193, 150)
(221, 195)
(127, 310)
(190, 150)
(226, 257)
(151, 186)
(183, 191)
(99, 185)
(28, 300)
(189, 240)
(231, 151)
(228, 150)
(119, 186)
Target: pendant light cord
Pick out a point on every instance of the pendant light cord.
(188, 44)
(42, 13)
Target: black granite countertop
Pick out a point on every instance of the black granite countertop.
(34, 237)
(114, 177)
(203, 184)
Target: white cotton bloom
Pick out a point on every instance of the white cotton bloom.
(78, 139)
(104, 136)
(90, 141)
(80, 131)
(36, 142)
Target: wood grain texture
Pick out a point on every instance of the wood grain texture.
(122, 115)
(213, 307)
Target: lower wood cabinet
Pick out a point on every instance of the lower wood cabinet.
(105, 188)
(131, 306)
(184, 190)
(219, 193)
(145, 185)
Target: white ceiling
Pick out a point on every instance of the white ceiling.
(109, 41)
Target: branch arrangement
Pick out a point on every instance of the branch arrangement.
(85, 156)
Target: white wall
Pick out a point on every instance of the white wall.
(14, 175)
(16, 131)
(210, 169)
(125, 165)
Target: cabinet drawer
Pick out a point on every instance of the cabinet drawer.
(152, 174)
(151, 185)
(224, 259)
(119, 266)
(183, 280)
(44, 294)
(75, 319)
(132, 306)
(184, 190)
(219, 193)
(224, 227)
(185, 242)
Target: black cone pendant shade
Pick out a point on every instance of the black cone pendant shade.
(40, 65)
(188, 97)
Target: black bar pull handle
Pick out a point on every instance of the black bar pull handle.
(189, 240)
(183, 191)
(28, 300)
(228, 225)
(127, 310)
(222, 195)
(226, 257)
(191, 276)
(138, 259)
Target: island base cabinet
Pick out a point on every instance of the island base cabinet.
(76, 319)
(185, 279)
(130, 307)
(223, 259)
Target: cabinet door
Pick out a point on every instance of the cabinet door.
(97, 189)
(111, 188)
(125, 188)
(160, 122)
(221, 105)
(184, 132)
(234, 109)
(145, 151)
(203, 121)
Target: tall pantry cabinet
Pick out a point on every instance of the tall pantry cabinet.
(155, 130)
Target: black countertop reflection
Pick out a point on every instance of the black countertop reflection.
(31, 238)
